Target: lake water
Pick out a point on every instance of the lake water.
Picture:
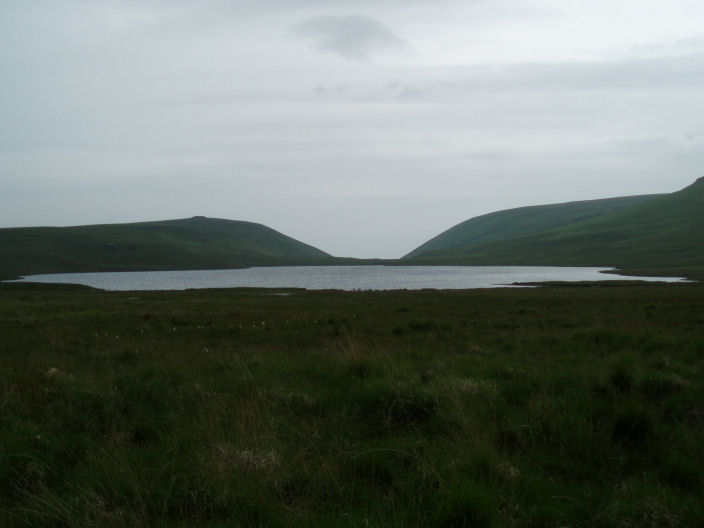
(336, 277)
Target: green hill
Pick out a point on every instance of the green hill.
(514, 223)
(193, 243)
(661, 231)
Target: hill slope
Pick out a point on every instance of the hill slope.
(514, 223)
(662, 231)
(193, 243)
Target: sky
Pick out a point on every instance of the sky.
(362, 127)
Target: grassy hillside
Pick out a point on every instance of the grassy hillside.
(513, 223)
(663, 231)
(193, 243)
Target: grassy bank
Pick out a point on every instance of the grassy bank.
(546, 407)
(694, 273)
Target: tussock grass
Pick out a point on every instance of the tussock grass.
(551, 407)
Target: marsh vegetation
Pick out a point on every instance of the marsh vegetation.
(569, 406)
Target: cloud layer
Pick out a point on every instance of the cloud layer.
(354, 37)
(363, 134)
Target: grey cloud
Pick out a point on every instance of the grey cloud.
(354, 37)
(638, 73)
(186, 107)
(686, 46)
(662, 74)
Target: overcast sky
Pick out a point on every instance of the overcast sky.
(361, 127)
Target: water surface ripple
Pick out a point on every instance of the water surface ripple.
(337, 277)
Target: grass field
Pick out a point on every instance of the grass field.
(570, 406)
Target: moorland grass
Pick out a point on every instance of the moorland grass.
(485, 408)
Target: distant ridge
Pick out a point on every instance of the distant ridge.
(656, 231)
(190, 243)
(523, 221)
